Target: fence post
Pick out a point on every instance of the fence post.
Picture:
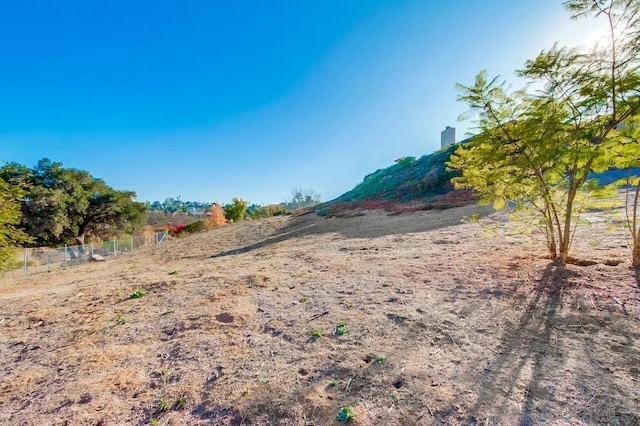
(26, 261)
(65, 255)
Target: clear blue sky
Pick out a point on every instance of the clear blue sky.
(209, 99)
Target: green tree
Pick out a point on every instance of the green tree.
(10, 235)
(236, 210)
(538, 149)
(64, 205)
(626, 155)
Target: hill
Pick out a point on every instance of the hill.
(409, 185)
(445, 324)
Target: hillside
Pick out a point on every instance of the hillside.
(408, 185)
(445, 324)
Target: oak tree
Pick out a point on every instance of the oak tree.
(65, 205)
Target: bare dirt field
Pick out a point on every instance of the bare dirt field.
(445, 324)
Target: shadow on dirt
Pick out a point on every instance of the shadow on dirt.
(361, 226)
(525, 345)
(531, 364)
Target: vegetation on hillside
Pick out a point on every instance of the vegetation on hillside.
(408, 179)
(409, 185)
(257, 211)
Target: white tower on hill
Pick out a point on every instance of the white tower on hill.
(447, 136)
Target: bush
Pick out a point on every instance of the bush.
(201, 225)
(236, 210)
(217, 217)
(175, 230)
(256, 211)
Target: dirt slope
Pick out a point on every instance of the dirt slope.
(474, 328)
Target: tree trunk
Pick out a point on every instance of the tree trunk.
(565, 237)
(80, 243)
(635, 229)
(552, 249)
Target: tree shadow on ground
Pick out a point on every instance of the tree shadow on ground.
(531, 363)
(521, 347)
(361, 225)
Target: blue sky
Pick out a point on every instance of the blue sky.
(208, 100)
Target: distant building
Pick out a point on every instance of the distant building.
(447, 136)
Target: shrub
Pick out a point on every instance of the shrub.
(175, 230)
(137, 294)
(256, 211)
(217, 217)
(198, 226)
(346, 414)
(236, 210)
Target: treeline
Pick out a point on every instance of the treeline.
(238, 208)
(51, 205)
(172, 205)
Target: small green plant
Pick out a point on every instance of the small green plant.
(378, 359)
(164, 404)
(305, 299)
(168, 311)
(137, 294)
(182, 400)
(475, 217)
(153, 421)
(174, 272)
(120, 319)
(165, 376)
(316, 334)
(332, 383)
(385, 284)
(346, 414)
(341, 328)
(324, 212)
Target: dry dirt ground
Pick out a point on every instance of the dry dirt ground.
(446, 323)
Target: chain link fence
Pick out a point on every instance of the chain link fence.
(47, 259)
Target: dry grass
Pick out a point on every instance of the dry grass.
(473, 327)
